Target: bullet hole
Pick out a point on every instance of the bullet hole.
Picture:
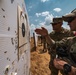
(6, 71)
(8, 59)
(12, 1)
(5, 52)
(3, 16)
(8, 28)
(12, 41)
(13, 63)
(16, 47)
(2, 9)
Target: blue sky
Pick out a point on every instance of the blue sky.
(41, 12)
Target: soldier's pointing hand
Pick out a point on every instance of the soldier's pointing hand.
(42, 31)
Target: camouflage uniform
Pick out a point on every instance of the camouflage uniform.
(70, 44)
(56, 36)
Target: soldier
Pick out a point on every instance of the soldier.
(57, 34)
(69, 68)
(71, 43)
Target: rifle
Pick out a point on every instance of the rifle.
(63, 52)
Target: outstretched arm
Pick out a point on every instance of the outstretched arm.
(44, 33)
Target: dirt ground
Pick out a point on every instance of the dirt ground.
(39, 60)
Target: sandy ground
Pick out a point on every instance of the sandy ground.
(39, 60)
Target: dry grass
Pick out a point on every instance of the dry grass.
(39, 64)
(39, 60)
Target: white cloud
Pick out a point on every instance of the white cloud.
(49, 28)
(38, 14)
(32, 26)
(57, 9)
(65, 25)
(42, 24)
(42, 14)
(48, 19)
(44, 0)
(45, 13)
(29, 8)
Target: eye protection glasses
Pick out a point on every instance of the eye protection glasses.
(55, 23)
(71, 19)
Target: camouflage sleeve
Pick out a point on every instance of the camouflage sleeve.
(53, 41)
(64, 42)
(51, 34)
(58, 43)
(70, 33)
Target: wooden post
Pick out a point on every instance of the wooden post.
(34, 41)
